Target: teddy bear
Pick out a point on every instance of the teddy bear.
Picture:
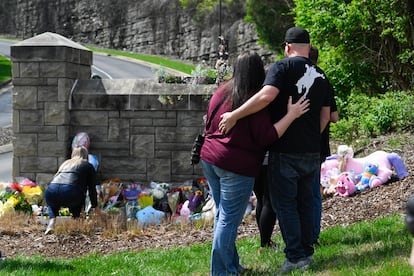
(367, 176)
(346, 184)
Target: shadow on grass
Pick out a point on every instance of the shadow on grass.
(365, 245)
(27, 265)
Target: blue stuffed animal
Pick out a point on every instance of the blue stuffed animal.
(369, 171)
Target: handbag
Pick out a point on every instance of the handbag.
(199, 139)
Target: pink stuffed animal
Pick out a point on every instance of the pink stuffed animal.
(386, 162)
(346, 184)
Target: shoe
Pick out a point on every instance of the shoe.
(301, 264)
(271, 245)
(50, 226)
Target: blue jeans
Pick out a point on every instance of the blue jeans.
(231, 193)
(291, 190)
(64, 195)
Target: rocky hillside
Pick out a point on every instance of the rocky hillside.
(160, 27)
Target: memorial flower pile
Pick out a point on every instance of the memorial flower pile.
(19, 196)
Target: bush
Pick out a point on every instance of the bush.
(364, 117)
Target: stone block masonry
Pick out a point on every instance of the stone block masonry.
(136, 134)
(140, 130)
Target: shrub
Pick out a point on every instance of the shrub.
(364, 117)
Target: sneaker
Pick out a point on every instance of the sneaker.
(50, 226)
(271, 245)
(301, 264)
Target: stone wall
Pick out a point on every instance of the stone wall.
(159, 27)
(140, 130)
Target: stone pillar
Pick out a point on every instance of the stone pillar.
(44, 70)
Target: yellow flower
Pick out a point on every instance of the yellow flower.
(12, 201)
(34, 195)
(6, 207)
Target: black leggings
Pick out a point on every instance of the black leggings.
(265, 216)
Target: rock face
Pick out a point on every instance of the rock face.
(159, 27)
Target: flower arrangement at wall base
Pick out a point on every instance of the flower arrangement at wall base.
(19, 196)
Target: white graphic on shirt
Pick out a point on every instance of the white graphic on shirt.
(306, 81)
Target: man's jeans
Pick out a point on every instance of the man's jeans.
(292, 176)
(231, 193)
(64, 195)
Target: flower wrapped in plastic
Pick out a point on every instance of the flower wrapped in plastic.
(34, 195)
(195, 200)
(12, 197)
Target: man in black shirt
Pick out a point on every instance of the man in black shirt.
(293, 159)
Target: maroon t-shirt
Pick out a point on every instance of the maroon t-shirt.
(242, 149)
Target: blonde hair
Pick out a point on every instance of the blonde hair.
(80, 152)
(79, 155)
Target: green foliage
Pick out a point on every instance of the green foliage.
(365, 117)
(365, 46)
(271, 19)
(5, 69)
(203, 9)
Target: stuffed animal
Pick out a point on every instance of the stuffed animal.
(346, 184)
(386, 162)
(149, 216)
(367, 176)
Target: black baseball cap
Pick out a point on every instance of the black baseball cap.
(296, 35)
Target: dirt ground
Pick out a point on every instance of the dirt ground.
(25, 236)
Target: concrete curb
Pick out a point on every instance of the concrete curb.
(5, 83)
(6, 148)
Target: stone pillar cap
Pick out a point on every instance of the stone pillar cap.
(50, 39)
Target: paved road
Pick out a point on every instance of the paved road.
(107, 67)
(5, 107)
(6, 155)
(6, 167)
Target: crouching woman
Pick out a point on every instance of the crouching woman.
(68, 188)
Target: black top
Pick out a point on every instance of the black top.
(298, 76)
(82, 175)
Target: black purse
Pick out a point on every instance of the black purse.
(199, 140)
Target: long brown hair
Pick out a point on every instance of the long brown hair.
(248, 77)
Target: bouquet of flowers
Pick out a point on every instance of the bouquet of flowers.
(14, 200)
(19, 197)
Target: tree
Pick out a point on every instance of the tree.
(271, 19)
(366, 46)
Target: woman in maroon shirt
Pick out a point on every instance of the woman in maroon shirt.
(232, 161)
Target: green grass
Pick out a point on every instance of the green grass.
(5, 69)
(162, 62)
(380, 247)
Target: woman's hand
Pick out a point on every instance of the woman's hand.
(226, 122)
(299, 108)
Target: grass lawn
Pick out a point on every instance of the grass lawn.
(381, 247)
(5, 69)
